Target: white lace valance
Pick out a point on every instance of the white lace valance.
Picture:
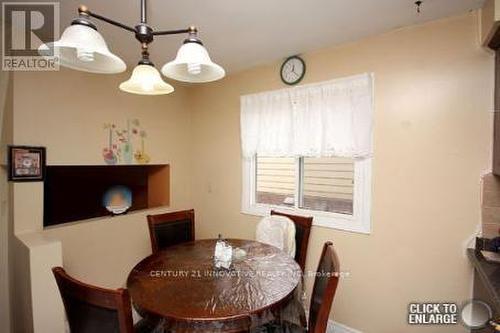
(332, 118)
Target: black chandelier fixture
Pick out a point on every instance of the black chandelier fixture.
(82, 47)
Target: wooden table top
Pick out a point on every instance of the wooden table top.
(181, 282)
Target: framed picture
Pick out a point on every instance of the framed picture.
(26, 164)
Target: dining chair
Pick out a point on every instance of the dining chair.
(278, 231)
(92, 309)
(302, 230)
(324, 288)
(171, 229)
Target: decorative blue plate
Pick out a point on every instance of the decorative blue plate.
(117, 199)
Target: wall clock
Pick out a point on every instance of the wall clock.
(293, 70)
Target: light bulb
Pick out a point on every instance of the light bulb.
(194, 68)
(84, 55)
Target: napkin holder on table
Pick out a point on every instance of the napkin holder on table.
(223, 254)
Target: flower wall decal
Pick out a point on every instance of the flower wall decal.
(121, 142)
(140, 155)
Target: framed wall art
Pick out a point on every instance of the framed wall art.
(26, 164)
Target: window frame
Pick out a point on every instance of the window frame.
(359, 221)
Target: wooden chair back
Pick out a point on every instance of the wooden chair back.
(171, 229)
(92, 309)
(325, 286)
(302, 230)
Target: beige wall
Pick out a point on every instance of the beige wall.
(65, 111)
(433, 128)
(38, 305)
(20, 286)
(6, 108)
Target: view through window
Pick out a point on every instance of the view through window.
(319, 184)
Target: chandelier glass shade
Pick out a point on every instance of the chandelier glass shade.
(193, 64)
(146, 80)
(83, 48)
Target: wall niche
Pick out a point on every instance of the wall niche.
(75, 192)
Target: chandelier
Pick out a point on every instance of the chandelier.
(82, 47)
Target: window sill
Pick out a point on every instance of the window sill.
(320, 219)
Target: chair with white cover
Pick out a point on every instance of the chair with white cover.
(278, 231)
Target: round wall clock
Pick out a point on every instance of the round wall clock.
(293, 70)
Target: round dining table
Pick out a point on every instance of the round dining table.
(182, 290)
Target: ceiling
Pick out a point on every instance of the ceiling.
(242, 34)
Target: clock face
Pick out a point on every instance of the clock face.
(293, 70)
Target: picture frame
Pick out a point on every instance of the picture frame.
(26, 163)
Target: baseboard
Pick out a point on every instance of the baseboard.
(334, 327)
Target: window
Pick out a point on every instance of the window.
(327, 184)
(280, 132)
(275, 181)
(323, 184)
(321, 187)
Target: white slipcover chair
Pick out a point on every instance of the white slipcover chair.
(278, 231)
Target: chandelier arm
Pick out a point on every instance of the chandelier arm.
(171, 32)
(84, 10)
(112, 22)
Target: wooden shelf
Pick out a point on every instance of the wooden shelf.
(75, 192)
